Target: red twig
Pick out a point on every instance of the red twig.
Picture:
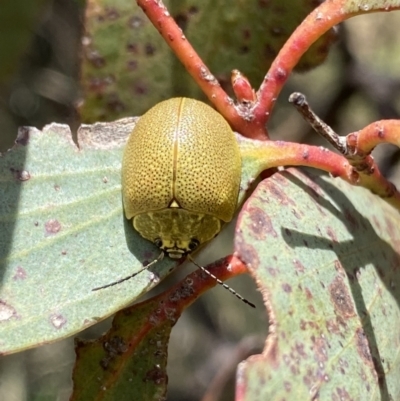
(184, 293)
(319, 21)
(356, 147)
(170, 31)
(250, 119)
(279, 153)
(365, 140)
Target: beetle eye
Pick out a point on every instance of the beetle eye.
(193, 244)
(158, 242)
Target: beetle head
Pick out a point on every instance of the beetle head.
(177, 248)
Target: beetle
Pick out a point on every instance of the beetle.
(181, 172)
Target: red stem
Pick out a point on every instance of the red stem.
(279, 153)
(319, 21)
(312, 28)
(170, 31)
(199, 282)
(365, 140)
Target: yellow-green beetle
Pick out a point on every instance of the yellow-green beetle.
(181, 173)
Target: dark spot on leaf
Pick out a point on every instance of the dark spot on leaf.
(36, 223)
(261, 224)
(339, 268)
(56, 187)
(111, 13)
(309, 295)
(283, 182)
(247, 254)
(156, 375)
(20, 274)
(181, 19)
(115, 346)
(331, 233)
(115, 104)
(52, 227)
(132, 48)
(105, 362)
(272, 353)
(390, 227)
(6, 311)
(272, 271)
(286, 288)
(94, 57)
(296, 214)
(343, 394)
(246, 33)
(96, 85)
(395, 262)
(140, 88)
(149, 49)
(363, 347)
(298, 266)
(307, 324)
(381, 272)
(340, 298)
(319, 348)
(58, 321)
(299, 348)
(244, 49)
(132, 65)
(23, 136)
(269, 51)
(351, 219)
(264, 3)
(279, 195)
(343, 365)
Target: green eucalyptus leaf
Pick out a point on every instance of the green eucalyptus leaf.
(62, 233)
(326, 257)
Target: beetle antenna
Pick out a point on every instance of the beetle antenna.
(159, 259)
(226, 286)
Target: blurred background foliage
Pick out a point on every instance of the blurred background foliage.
(40, 72)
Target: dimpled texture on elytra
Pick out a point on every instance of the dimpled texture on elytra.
(181, 150)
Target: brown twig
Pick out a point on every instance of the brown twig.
(302, 106)
(356, 148)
